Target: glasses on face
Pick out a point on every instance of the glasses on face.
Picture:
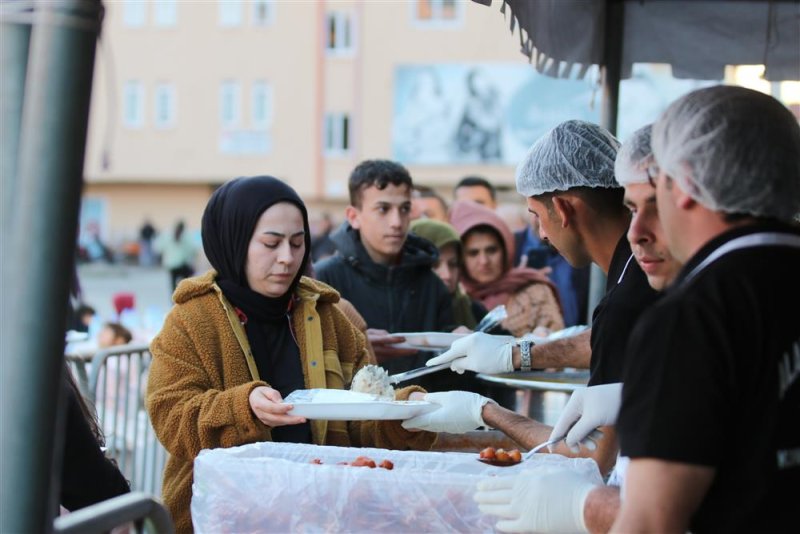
(652, 174)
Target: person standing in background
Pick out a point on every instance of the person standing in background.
(532, 252)
(477, 189)
(147, 234)
(177, 253)
(380, 268)
(489, 276)
(321, 244)
(466, 312)
(572, 282)
(427, 204)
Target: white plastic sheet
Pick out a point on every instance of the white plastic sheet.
(273, 487)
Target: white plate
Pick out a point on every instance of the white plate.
(366, 411)
(428, 340)
(339, 405)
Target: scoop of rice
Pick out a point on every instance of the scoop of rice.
(374, 380)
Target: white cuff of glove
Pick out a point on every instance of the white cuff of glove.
(459, 412)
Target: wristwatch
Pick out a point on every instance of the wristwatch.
(525, 354)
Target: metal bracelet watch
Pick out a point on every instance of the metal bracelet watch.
(525, 354)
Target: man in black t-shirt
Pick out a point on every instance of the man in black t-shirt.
(711, 402)
(710, 409)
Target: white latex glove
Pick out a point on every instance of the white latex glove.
(546, 499)
(479, 352)
(587, 409)
(460, 412)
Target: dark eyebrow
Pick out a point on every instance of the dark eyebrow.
(385, 204)
(630, 203)
(278, 234)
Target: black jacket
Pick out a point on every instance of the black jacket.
(87, 476)
(407, 297)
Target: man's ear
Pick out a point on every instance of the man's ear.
(685, 201)
(680, 197)
(352, 214)
(564, 209)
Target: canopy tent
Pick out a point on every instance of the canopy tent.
(563, 38)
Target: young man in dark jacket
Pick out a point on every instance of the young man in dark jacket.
(385, 272)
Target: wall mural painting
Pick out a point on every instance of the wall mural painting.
(446, 114)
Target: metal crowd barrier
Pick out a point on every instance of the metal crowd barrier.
(146, 514)
(116, 386)
(79, 363)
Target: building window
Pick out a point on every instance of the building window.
(134, 13)
(261, 105)
(339, 32)
(337, 133)
(437, 12)
(229, 103)
(133, 108)
(230, 13)
(165, 13)
(262, 12)
(165, 105)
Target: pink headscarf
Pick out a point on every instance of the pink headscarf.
(465, 216)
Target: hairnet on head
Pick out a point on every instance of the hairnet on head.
(573, 154)
(633, 158)
(732, 149)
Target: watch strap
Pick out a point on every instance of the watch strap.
(525, 354)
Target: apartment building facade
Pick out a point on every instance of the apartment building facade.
(188, 94)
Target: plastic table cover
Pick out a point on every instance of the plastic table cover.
(274, 487)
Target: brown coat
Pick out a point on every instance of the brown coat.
(202, 374)
(533, 305)
(358, 321)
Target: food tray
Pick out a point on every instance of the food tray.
(273, 487)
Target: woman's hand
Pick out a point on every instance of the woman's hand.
(266, 404)
(382, 344)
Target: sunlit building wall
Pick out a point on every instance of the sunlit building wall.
(190, 94)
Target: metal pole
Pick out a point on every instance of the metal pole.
(611, 73)
(612, 64)
(117, 511)
(14, 38)
(38, 262)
